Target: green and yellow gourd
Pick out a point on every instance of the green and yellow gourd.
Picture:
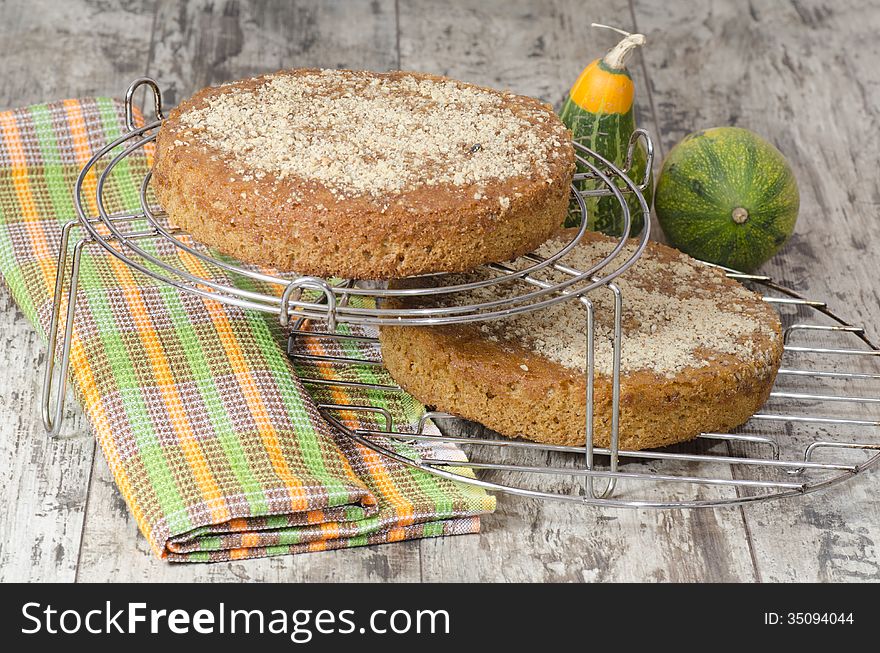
(599, 112)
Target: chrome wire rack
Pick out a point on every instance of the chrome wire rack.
(776, 454)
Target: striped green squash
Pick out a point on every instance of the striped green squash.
(727, 196)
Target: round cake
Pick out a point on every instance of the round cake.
(364, 175)
(700, 353)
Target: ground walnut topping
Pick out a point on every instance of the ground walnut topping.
(363, 133)
(677, 314)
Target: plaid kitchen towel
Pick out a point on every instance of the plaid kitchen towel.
(217, 448)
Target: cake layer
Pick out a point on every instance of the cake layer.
(364, 175)
(700, 354)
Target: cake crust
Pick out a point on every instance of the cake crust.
(519, 390)
(379, 212)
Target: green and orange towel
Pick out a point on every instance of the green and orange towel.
(216, 446)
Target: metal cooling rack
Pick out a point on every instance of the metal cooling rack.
(775, 454)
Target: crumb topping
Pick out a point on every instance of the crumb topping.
(677, 314)
(360, 133)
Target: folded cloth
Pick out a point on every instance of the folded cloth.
(217, 448)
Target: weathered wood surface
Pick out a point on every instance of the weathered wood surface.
(800, 73)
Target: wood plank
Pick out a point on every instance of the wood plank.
(51, 51)
(539, 50)
(803, 75)
(54, 50)
(44, 482)
(199, 43)
(535, 540)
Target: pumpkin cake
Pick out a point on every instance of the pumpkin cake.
(364, 175)
(700, 354)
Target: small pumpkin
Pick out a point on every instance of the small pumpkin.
(599, 112)
(727, 196)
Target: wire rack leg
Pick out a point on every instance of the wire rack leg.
(53, 414)
(590, 374)
(614, 445)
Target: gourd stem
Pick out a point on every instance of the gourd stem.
(622, 32)
(739, 215)
(618, 55)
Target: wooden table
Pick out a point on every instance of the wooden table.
(803, 73)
